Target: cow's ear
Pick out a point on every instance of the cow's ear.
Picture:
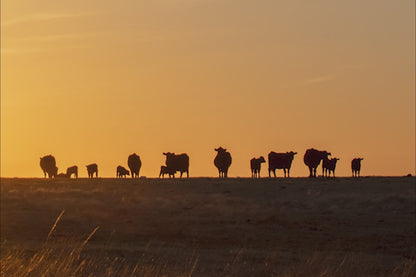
(216, 149)
(165, 153)
(295, 153)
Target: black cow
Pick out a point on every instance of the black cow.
(280, 161)
(165, 170)
(48, 165)
(122, 171)
(312, 159)
(92, 168)
(328, 166)
(356, 167)
(135, 164)
(72, 170)
(255, 165)
(222, 161)
(177, 163)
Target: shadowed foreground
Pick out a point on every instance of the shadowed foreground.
(204, 226)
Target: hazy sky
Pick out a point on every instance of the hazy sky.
(96, 80)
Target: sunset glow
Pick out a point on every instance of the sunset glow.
(95, 81)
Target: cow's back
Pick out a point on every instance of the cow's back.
(92, 168)
(279, 160)
(47, 162)
(223, 160)
(134, 162)
(356, 164)
(178, 162)
(312, 157)
(48, 165)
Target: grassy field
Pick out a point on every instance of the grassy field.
(208, 227)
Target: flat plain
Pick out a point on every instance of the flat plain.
(208, 226)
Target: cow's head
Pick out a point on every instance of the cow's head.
(291, 154)
(220, 150)
(325, 154)
(168, 154)
(261, 159)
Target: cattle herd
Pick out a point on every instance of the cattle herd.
(180, 163)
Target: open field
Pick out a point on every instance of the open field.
(207, 226)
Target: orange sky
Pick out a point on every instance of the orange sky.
(94, 81)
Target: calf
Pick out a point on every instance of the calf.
(165, 170)
(72, 170)
(62, 175)
(328, 166)
(356, 167)
(122, 172)
(91, 169)
(255, 165)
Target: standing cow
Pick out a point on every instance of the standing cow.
(255, 165)
(328, 166)
(222, 161)
(280, 161)
(177, 163)
(72, 170)
(356, 167)
(48, 165)
(91, 169)
(122, 172)
(135, 164)
(312, 159)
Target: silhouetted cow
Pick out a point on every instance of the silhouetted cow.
(328, 166)
(177, 163)
(72, 170)
(48, 165)
(92, 168)
(135, 164)
(255, 165)
(222, 161)
(356, 167)
(312, 159)
(165, 170)
(280, 161)
(122, 172)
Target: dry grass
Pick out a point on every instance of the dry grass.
(206, 227)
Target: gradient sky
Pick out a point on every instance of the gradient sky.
(96, 80)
